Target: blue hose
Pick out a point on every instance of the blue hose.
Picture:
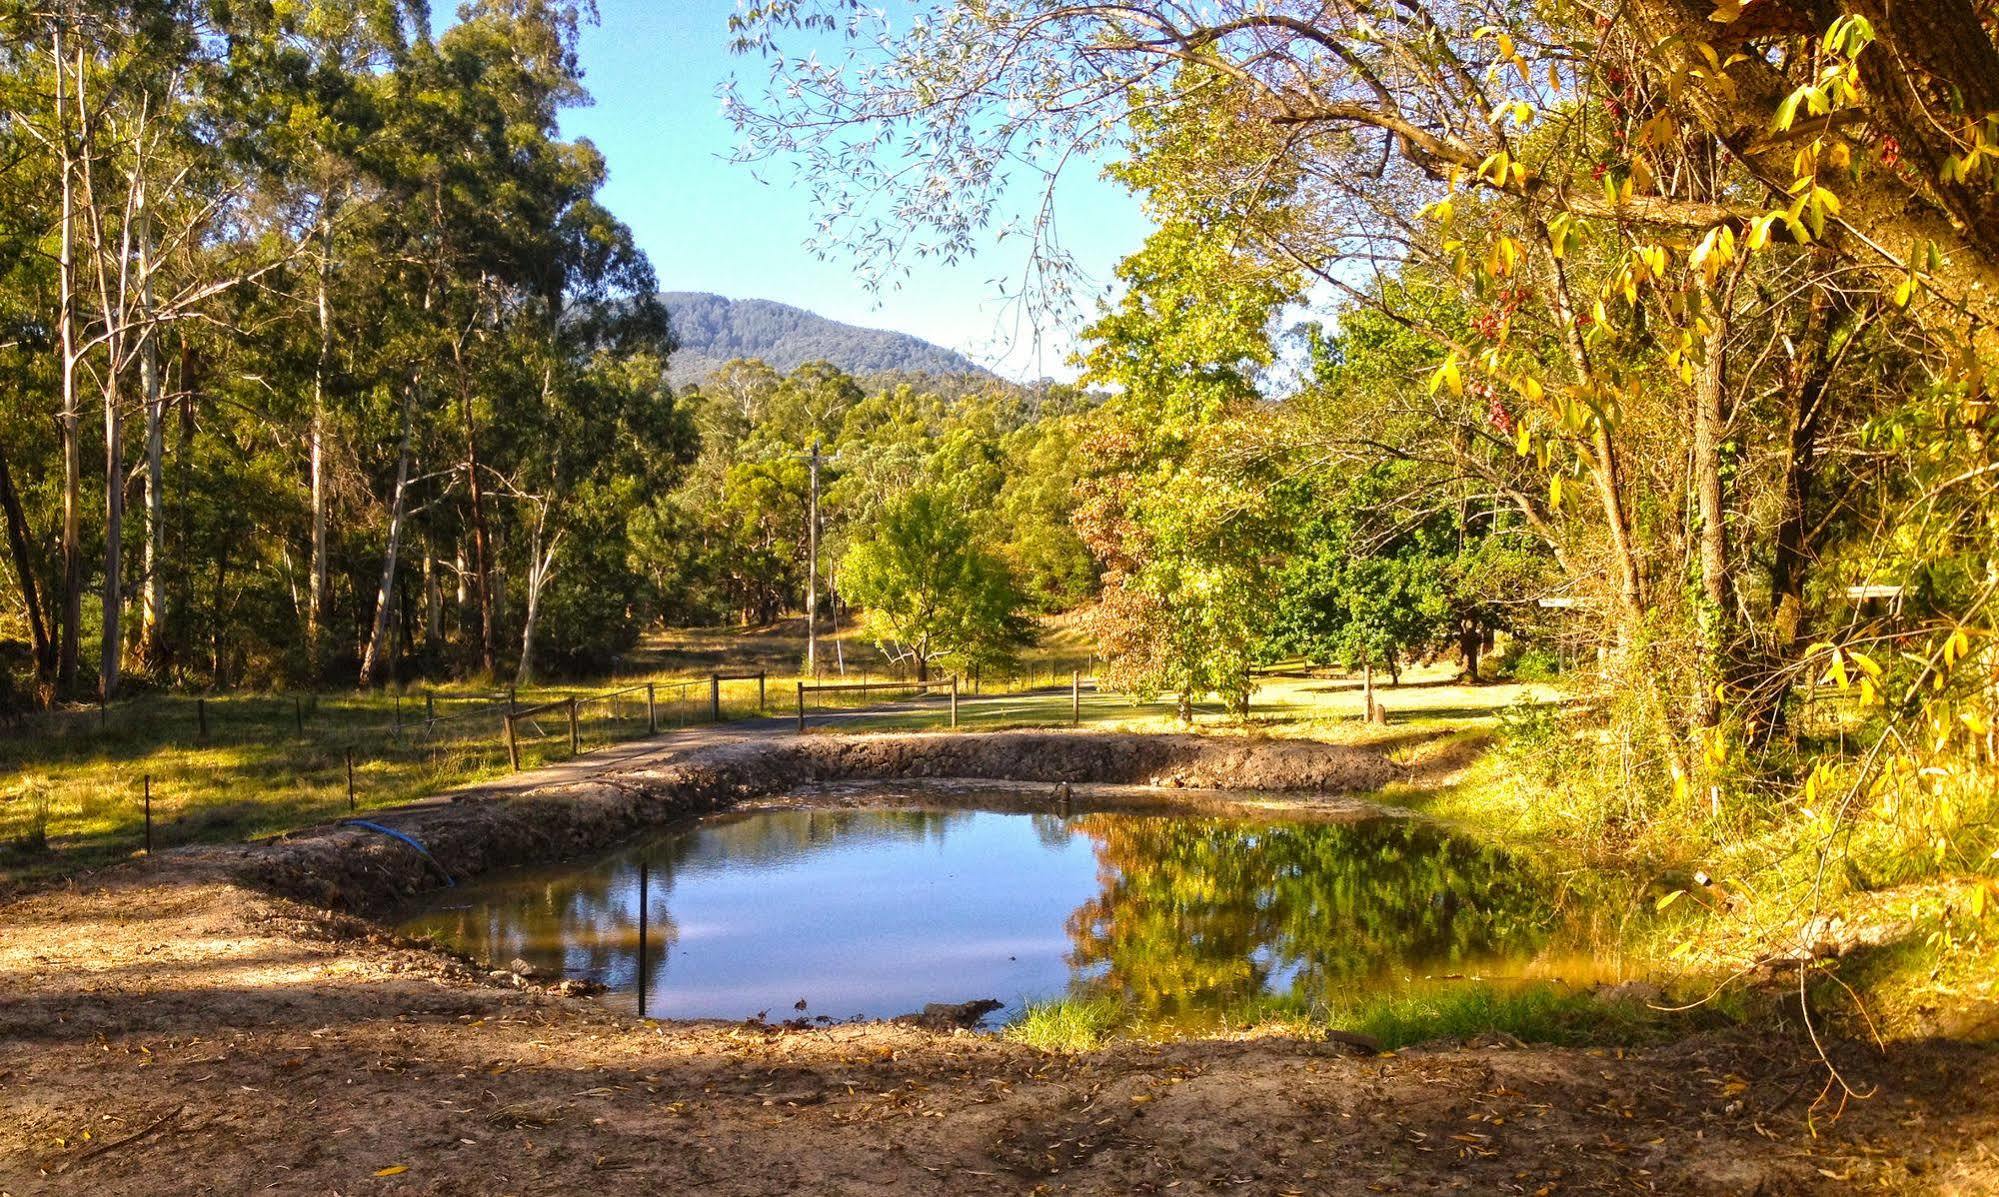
(407, 839)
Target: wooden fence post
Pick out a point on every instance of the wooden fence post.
(715, 697)
(762, 705)
(149, 814)
(652, 713)
(575, 740)
(801, 708)
(513, 744)
(298, 715)
(201, 721)
(1076, 697)
(954, 700)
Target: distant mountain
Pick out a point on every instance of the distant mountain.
(712, 329)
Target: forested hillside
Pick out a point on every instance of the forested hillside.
(709, 330)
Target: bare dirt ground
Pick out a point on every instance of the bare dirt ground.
(164, 1028)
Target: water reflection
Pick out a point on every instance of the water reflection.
(876, 912)
(1199, 916)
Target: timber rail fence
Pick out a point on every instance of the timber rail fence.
(910, 689)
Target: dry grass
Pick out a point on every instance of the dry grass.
(269, 763)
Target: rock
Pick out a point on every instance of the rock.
(1355, 1040)
(948, 1016)
(523, 969)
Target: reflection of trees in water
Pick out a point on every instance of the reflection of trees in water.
(586, 921)
(1205, 914)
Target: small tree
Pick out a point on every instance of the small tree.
(1361, 611)
(927, 583)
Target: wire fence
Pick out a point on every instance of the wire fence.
(82, 785)
(160, 770)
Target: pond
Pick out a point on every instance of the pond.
(1184, 920)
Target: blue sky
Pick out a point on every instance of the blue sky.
(710, 225)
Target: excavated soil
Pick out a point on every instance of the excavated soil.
(359, 869)
(167, 1028)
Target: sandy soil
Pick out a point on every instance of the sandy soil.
(166, 1028)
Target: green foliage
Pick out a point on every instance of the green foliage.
(931, 590)
(1184, 535)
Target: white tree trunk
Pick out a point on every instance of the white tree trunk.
(378, 638)
(154, 602)
(316, 601)
(541, 566)
(114, 528)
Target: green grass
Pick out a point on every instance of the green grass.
(273, 762)
(1538, 1013)
(1394, 1018)
(231, 767)
(1069, 1024)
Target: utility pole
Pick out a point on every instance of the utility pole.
(812, 574)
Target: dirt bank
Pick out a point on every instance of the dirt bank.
(363, 870)
(160, 1033)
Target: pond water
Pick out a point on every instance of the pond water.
(1186, 920)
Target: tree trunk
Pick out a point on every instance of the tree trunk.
(153, 609)
(433, 603)
(541, 564)
(1810, 398)
(114, 528)
(482, 564)
(69, 417)
(1607, 469)
(1471, 642)
(216, 675)
(21, 543)
(1369, 710)
(1710, 416)
(378, 639)
(317, 599)
(1938, 46)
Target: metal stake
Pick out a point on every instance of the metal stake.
(642, 938)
